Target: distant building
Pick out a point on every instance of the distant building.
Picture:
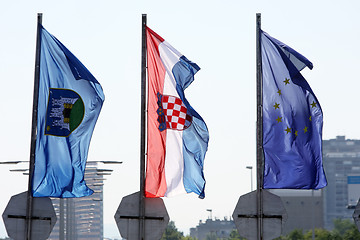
(341, 159)
(304, 209)
(219, 228)
(81, 218)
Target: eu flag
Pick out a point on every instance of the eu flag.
(292, 120)
(69, 103)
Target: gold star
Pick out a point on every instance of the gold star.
(310, 119)
(296, 133)
(288, 130)
(279, 92)
(287, 81)
(48, 128)
(313, 104)
(305, 129)
(276, 105)
(279, 119)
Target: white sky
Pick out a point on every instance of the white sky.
(220, 37)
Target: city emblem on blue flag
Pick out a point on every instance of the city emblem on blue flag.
(65, 112)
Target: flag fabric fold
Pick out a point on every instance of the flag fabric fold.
(292, 120)
(69, 103)
(177, 136)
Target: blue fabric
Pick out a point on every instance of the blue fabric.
(195, 137)
(292, 120)
(298, 60)
(70, 100)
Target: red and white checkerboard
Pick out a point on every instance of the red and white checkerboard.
(175, 113)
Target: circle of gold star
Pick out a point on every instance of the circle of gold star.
(313, 104)
(288, 130)
(305, 129)
(287, 81)
(276, 105)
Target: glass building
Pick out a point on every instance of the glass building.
(341, 160)
(82, 218)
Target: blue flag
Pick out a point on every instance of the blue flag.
(69, 103)
(292, 120)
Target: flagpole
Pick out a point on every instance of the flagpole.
(259, 130)
(143, 130)
(29, 204)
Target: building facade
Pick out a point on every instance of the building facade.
(217, 228)
(304, 209)
(341, 160)
(81, 218)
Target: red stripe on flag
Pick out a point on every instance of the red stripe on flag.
(155, 182)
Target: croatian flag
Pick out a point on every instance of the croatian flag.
(177, 136)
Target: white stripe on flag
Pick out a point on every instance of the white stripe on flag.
(174, 161)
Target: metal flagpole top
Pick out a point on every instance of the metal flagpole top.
(259, 128)
(143, 130)
(33, 129)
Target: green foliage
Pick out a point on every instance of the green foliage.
(211, 236)
(343, 230)
(171, 232)
(234, 235)
(297, 234)
(342, 226)
(188, 238)
(352, 233)
(320, 234)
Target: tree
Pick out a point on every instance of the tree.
(343, 230)
(352, 233)
(211, 236)
(297, 234)
(320, 234)
(188, 238)
(234, 235)
(341, 226)
(172, 233)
